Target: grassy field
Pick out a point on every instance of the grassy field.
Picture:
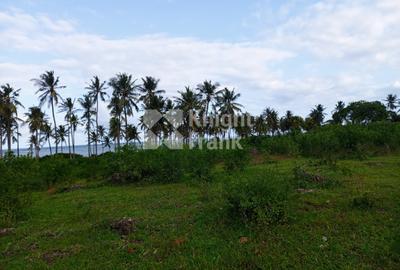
(186, 226)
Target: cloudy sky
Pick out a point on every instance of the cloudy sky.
(289, 54)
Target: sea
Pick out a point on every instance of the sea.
(79, 149)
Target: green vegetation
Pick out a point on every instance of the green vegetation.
(190, 223)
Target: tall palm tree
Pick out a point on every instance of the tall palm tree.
(272, 119)
(391, 102)
(115, 130)
(227, 105)
(189, 102)
(62, 132)
(209, 90)
(339, 114)
(74, 121)
(8, 110)
(68, 106)
(148, 89)
(48, 134)
(124, 97)
(106, 143)
(48, 85)
(36, 120)
(318, 115)
(87, 105)
(132, 134)
(97, 92)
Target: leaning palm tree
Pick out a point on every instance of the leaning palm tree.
(48, 85)
(87, 105)
(68, 106)
(97, 92)
(36, 120)
(8, 110)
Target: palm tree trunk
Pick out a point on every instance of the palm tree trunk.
(37, 145)
(9, 137)
(1, 142)
(51, 151)
(69, 140)
(97, 121)
(88, 132)
(73, 141)
(126, 125)
(55, 123)
(17, 140)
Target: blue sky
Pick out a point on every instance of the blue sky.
(289, 54)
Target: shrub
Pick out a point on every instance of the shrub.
(365, 201)
(260, 198)
(304, 179)
(235, 160)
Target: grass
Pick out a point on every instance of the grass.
(185, 225)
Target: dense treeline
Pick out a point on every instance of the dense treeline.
(126, 98)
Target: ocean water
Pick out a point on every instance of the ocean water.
(79, 149)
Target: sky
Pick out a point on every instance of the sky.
(289, 54)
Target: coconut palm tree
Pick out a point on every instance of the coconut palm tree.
(124, 97)
(74, 121)
(48, 85)
(209, 92)
(68, 106)
(228, 106)
(148, 89)
(97, 92)
(272, 119)
(48, 134)
(115, 130)
(62, 132)
(189, 102)
(106, 143)
(8, 110)
(391, 102)
(339, 113)
(132, 134)
(317, 114)
(87, 105)
(35, 119)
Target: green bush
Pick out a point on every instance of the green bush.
(235, 160)
(260, 198)
(365, 201)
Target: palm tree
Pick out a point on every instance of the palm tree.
(87, 103)
(74, 121)
(48, 134)
(339, 114)
(62, 132)
(318, 115)
(8, 110)
(228, 105)
(132, 134)
(48, 85)
(68, 106)
(97, 92)
(106, 142)
(189, 103)
(272, 119)
(149, 89)
(209, 91)
(36, 121)
(124, 97)
(115, 130)
(391, 102)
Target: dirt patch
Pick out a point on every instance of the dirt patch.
(124, 226)
(6, 231)
(51, 256)
(71, 188)
(304, 191)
